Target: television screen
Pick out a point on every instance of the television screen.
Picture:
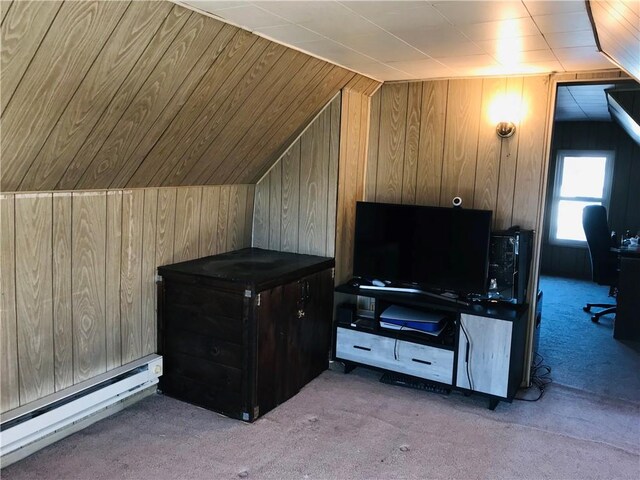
(434, 247)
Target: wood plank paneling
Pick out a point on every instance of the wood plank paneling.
(261, 212)
(84, 298)
(132, 94)
(314, 154)
(236, 220)
(412, 143)
(275, 206)
(223, 104)
(503, 213)
(113, 262)
(290, 124)
(62, 311)
(131, 274)
(165, 226)
(290, 206)
(393, 118)
(363, 143)
(124, 97)
(185, 54)
(88, 272)
(57, 69)
(268, 75)
(186, 127)
(209, 220)
(9, 380)
(531, 151)
(295, 203)
(223, 218)
(106, 75)
(187, 236)
(356, 110)
(4, 9)
(459, 153)
(22, 33)
(248, 215)
(255, 139)
(461, 140)
(278, 79)
(332, 176)
(148, 293)
(431, 150)
(33, 214)
(488, 162)
(372, 154)
(175, 105)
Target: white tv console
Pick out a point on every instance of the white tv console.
(481, 350)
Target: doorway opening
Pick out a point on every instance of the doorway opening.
(594, 160)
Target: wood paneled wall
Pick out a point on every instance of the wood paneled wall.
(78, 275)
(354, 134)
(119, 94)
(623, 212)
(295, 203)
(432, 141)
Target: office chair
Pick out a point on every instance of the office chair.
(604, 269)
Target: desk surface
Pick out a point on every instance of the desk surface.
(627, 251)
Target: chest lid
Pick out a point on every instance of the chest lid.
(254, 268)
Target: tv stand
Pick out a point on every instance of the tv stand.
(480, 351)
(390, 289)
(413, 290)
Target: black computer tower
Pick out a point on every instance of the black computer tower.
(509, 264)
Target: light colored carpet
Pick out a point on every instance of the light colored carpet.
(583, 354)
(351, 426)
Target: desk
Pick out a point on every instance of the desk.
(627, 324)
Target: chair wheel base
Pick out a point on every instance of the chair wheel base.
(595, 319)
(586, 309)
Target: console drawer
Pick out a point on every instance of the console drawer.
(422, 361)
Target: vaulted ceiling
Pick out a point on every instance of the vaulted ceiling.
(116, 94)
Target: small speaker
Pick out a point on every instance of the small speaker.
(346, 313)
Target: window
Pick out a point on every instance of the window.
(582, 178)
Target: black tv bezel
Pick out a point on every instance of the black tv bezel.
(425, 286)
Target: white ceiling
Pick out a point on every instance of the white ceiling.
(587, 103)
(405, 40)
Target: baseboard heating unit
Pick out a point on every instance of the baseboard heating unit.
(31, 427)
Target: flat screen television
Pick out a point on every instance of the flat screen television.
(441, 249)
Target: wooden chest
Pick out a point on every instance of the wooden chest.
(243, 331)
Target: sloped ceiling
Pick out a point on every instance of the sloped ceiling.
(135, 94)
(624, 106)
(617, 25)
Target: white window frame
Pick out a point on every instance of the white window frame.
(606, 196)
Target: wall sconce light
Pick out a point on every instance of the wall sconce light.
(505, 111)
(505, 129)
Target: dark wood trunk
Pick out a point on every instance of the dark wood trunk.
(244, 331)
